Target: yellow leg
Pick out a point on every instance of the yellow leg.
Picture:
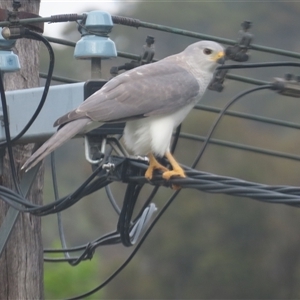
(177, 170)
(153, 165)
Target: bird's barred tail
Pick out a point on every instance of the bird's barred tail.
(65, 133)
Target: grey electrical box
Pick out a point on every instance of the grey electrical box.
(23, 103)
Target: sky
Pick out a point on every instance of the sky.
(55, 7)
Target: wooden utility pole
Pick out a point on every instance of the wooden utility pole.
(21, 265)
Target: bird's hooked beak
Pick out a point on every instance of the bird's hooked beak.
(220, 57)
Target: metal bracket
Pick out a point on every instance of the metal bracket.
(146, 57)
(238, 52)
(217, 82)
(288, 86)
(93, 153)
(121, 168)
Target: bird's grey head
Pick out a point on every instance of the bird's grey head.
(204, 54)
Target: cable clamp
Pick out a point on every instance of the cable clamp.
(217, 82)
(288, 86)
(122, 168)
(146, 57)
(238, 52)
(109, 167)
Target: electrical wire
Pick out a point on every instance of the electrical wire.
(56, 196)
(172, 198)
(131, 256)
(8, 138)
(33, 35)
(223, 111)
(260, 65)
(90, 185)
(138, 23)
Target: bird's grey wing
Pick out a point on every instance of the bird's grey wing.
(158, 88)
(62, 135)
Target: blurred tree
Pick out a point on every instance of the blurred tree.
(64, 281)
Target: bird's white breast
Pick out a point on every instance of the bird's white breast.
(154, 133)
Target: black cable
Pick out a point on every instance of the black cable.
(108, 191)
(171, 199)
(147, 202)
(222, 112)
(8, 138)
(9, 141)
(20, 203)
(154, 191)
(131, 256)
(124, 224)
(33, 35)
(56, 196)
(126, 215)
(195, 179)
(88, 249)
(130, 199)
(112, 200)
(143, 238)
(260, 65)
(95, 243)
(71, 199)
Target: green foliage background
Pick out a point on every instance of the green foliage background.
(206, 246)
(63, 281)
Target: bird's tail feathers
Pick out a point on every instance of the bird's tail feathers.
(62, 135)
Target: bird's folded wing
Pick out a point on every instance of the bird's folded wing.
(154, 89)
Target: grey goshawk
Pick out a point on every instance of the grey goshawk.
(152, 99)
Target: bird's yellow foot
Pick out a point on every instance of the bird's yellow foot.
(177, 170)
(154, 165)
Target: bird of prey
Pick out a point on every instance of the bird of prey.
(152, 99)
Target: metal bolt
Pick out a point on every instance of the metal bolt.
(6, 33)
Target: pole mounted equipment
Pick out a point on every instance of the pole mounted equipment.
(94, 40)
(95, 45)
(288, 86)
(15, 16)
(238, 52)
(146, 57)
(9, 62)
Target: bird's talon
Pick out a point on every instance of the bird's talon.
(149, 174)
(168, 174)
(175, 187)
(154, 165)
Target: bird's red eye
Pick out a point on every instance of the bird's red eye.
(207, 51)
